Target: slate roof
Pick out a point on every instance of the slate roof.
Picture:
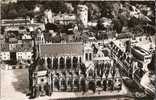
(4, 47)
(61, 49)
(27, 47)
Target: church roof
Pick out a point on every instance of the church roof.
(61, 49)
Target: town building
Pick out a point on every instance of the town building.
(23, 52)
(24, 55)
(14, 24)
(4, 52)
(26, 37)
(5, 55)
(65, 19)
(16, 52)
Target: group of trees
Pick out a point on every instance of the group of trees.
(22, 8)
(96, 10)
(13, 10)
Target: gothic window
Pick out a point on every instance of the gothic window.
(68, 62)
(41, 61)
(80, 60)
(55, 63)
(90, 56)
(98, 83)
(75, 62)
(49, 63)
(62, 63)
(90, 73)
(56, 83)
(86, 56)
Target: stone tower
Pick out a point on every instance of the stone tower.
(82, 15)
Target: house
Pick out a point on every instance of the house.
(64, 19)
(25, 55)
(14, 24)
(4, 52)
(26, 37)
(23, 52)
(5, 55)
(20, 51)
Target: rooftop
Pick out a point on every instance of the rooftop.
(61, 49)
(65, 17)
(22, 48)
(4, 47)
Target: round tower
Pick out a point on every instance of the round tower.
(82, 15)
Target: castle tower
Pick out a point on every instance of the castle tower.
(82, 15)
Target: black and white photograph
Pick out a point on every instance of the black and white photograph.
(77, 50)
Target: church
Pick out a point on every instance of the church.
(72, 67)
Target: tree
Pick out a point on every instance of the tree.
(106, 9)
(117, 25)
(69, 8)
(22, 11)
(58, 6)
(93, 11)
(101, 26)
(3, 15)
(12, 14)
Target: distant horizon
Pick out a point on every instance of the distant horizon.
(15, 1)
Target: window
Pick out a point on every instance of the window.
(68, 62)
(75, 62)
(86, 56)
(42, 80)
(38, 38)
(55, 63)
(19, 57)
(62, 63)
(80, 60)
(90, 56)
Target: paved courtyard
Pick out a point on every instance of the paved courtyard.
(14, 84)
